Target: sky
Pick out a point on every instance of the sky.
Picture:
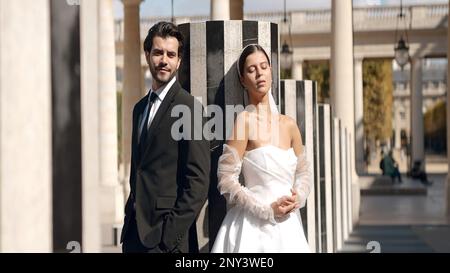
(162, 8)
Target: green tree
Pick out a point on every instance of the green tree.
(435, 126)
(318, 71)
(285, 74)
(377, 85)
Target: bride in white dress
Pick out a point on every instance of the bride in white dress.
(263, 215)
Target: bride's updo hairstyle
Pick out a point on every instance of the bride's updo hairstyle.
(249, 49)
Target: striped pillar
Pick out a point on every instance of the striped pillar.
(75, 126)
(66, 126)
(298, 100)
(326, 196)
(349, 166)
(208, 71)
(337, 188)
(344, 180)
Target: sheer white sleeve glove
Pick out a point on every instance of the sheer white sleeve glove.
(228, 171)
(303, 178)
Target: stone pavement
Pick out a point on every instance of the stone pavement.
(391, 209)
(399, 221)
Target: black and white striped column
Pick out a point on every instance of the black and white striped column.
(67, 213)
(298, 100)
(208, 68)
(337, 188)
(350, 167)
(326, 197)
(344, 181)
(208, 71)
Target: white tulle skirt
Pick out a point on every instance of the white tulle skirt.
(241, 232)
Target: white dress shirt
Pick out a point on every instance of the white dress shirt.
(160, 95)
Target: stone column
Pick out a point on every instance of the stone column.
(90, 126)
(337, 192)
(220, 9)
(417, 129)
(297, 70)
(236, 9)
(342, 80)
(344, 183)
(145, 90)
(342, 95)
(132, 81)
(111, 193)
(359, 116)
(350, 183)
(26, 127)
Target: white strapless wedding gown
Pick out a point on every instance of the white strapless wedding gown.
(269, 173)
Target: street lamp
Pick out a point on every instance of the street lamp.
(287, 55)
(401, 48)
(401, 53)
(173, 19)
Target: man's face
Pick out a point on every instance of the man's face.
(163, 60)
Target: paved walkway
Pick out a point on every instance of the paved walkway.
(403, 209)
(399, 221)
(389, 239)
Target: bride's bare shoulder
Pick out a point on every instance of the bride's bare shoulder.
(291, 125)
(287, 121)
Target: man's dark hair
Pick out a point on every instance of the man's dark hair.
(163, 30)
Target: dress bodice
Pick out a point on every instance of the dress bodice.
(269, 171)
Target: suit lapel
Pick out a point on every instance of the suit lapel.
(137, 118)
(162, 111)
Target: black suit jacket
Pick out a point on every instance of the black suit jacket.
(169, 181)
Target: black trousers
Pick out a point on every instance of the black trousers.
(132, 243)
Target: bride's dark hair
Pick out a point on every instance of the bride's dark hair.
(249, 49)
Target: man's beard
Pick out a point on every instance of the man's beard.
(162, 81)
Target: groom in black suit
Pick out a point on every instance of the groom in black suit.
(169, 176)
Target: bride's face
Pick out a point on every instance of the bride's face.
(257, 74)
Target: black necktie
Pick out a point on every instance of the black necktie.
(144, 133)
